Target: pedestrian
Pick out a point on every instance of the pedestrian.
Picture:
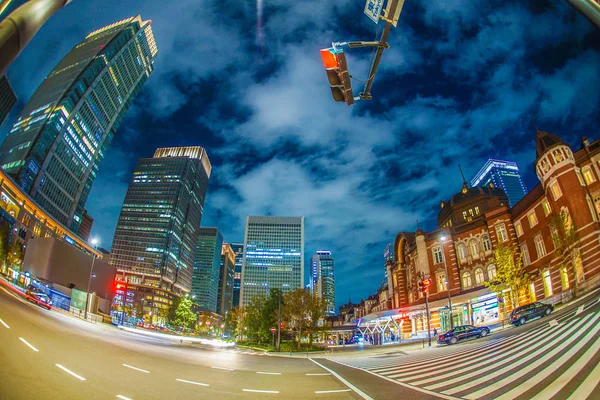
(434, 331)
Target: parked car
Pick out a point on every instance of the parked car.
(41, 299)
(463, 332)
(521, 315)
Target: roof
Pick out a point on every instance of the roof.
(545, 141)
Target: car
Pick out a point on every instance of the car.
(463, 332)
(521, 315)
(41, 299)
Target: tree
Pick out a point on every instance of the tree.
(510, 273)
(4, 248)
(295, 310)
(253, 318)
(184, 316)
(316, 310)
(15, 256)
(268, 315)
(566, 241)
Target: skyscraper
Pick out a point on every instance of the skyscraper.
(323, 279)
(225, 297)
(207, 268)
(504, 175)
(8, 98)
(273, 256)
(157, 232)
(238, 249)
(55, 148)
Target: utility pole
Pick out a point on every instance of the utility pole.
(87, 298)
(20, 26)
(279, 323)
(447, 283)
(428, 318)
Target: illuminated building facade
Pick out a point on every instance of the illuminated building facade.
(225, 297)
(207, 267)
(8, 98)
(157, 232)
(273, 256)
(323, 279)
(504, 175)
(238, 249)
(56, 146)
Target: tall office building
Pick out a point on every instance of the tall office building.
(207, 268)
(238, 249)
(273, 256)
(504, 175)
(157, 232)
(323, 279)
(8, 98)
(225, 297)
(56, 146)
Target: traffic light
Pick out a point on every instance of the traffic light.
(424, 285)
(337, 74)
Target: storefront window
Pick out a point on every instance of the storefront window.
(547, 283)
(485, 309)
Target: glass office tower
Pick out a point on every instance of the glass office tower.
(207, 268)
(238, 249)
(504, 175)
(8, 98)
(155, 241)
(273, 256)
(226, 275)
(323, 279)
(57, 144)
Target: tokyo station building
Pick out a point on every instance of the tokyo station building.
(473, 223)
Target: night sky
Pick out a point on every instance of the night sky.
(462, 82)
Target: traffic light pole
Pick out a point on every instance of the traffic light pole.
(279, 323)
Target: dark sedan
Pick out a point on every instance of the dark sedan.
(463, 332)
(521, 315)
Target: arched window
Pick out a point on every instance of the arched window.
(462, 251)
(474, 247)
(479, 278)
(467, 281)
(491, 270)
(487, 245)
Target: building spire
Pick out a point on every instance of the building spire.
(465, 184)
(535, 126)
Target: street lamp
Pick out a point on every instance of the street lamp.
(443, 238)
(87, 298)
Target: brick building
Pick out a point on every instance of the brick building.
(458, 256)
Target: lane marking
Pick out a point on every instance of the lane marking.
(345, 382)
(137, 369)
(120, 396)
(28, 344)
(268, 373)
(261, 391)
(332, 391)
(579, 310)
(588, 385)
(223, 368)
(192, 382)
(68, 371)
(327, 374)
(4, 323)
(553, 323)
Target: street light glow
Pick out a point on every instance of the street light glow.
(94, 241)
(443, 238)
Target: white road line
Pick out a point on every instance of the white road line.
(261, 391)
(28, 344)
(268, 373)
(327, 374)
(192, 382)
(4, 323)
(345, 382)
(120, 396)
(553, 323)
(332, 391)
(579, 310)
(587, 386)
(223, 368)
(68, 371)
(137, 369)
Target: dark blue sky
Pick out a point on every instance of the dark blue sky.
(461, 83)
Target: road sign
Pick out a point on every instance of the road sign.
(273, 330)
(386, 12)
(373, 9)
(78, 299)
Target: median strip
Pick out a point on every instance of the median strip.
(4, 323)
(137, 369)
(28, 344)
(192, 382)
(68, 371)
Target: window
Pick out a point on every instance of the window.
(533, 221)
(588, 175)
(555, 189)
(441, 281)
(491, 270)
(525, 255)
(547, 283)
(591, 208)
(437, 255)
(532, 292)
(479, 278)
(519, 228)
(540, 248)
(564, 278)
(546, 207)
(466, 280)
(501, 232)
(487, 245)
(474, 247)
(462, 251)
(476, 210)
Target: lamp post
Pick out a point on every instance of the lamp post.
(443, 238)
(87, 298)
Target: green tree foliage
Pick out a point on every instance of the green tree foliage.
(510, 272)
(184, 316)
(316, 308)
(4, 248)
(15, 256)
(268, 315)
(253, 319)
(566, 241)
(295, 311)
(232, 321)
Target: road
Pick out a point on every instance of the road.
(556, 357)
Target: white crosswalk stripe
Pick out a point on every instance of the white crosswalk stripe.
(539, 363)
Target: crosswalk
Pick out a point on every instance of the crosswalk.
(559, 359)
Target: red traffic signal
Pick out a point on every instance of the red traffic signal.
(337, 74)
(424, 285)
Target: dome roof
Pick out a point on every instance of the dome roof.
(545, 141)
(475, 192)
